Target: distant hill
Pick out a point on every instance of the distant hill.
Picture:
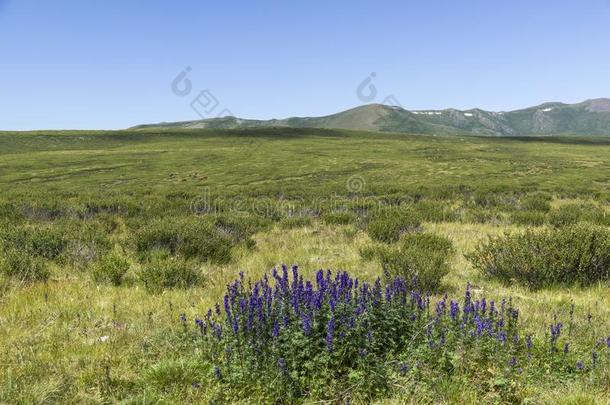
(591, 117)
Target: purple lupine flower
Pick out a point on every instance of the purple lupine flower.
(528, 342)
(276, 329)
(377, 292)
(183, 318)
(467, 299)
(608, 341)
(306, 323)
(512, 362)
(580, 365)
(404, 367)
(217, 372)
(330, 331)
(281, 365)
(455, 309)
(362, 352)
(201, 325)
(555, 332)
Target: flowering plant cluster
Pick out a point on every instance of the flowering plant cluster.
(296, 336)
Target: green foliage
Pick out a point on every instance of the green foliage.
(295, 222)
(162, 271)
(529, 218)
(338, 218)
(566, 256)
(23, 266)
(47, 242)
(571, 214)
(536, 202)
(389, 224)
(423, 256)
(111, 269)
(190, 238)
(435, 211)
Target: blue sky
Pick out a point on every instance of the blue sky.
(110, 64)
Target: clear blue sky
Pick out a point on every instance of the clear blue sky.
(110, 64)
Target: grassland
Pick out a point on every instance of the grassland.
(73, 339)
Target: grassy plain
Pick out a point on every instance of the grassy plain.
(73, 339)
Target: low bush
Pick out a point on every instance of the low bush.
(111, 269)
(295, 222)
(530, 218)
(389, 224)
(291, 340)
(23, 266)
(47, 241)
(190, 238)
(573, 213)
(424, 257)
(536, 202)
(338, 218)
(538, 259)
(162, 271)
(435, 211)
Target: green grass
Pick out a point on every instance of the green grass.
(99, 189)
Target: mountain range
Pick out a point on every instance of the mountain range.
(591, 117)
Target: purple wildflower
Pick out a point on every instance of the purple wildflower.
(330, 331)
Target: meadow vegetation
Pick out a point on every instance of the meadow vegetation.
(121, 253)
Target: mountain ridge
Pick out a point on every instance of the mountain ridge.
(590, 117)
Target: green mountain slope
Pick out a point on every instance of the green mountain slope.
(591, 117)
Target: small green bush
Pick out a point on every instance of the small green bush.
(564, 256)
(111, 269)
(423, 256)
(194, 238)
(162, 271)
(295, 222)
(21, 265)
(435, 211)
(533, 218)
(571, 214)
(338, 218)
(536, 202)
(47, 242)
(568, 214)
(388, 225)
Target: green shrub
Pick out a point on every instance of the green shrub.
(571, 214)
(388, 225)
(568, 214)
(47, 242)
(423, 256)
(191, 238)
(435, 211)
(111, 269)
(338, 218)
(533, 218)
(295, 222)
(564, 256)
(89, 240)
(481, 216)
(536, 202)
(241, 227)
(21, 265)
(162, 271)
